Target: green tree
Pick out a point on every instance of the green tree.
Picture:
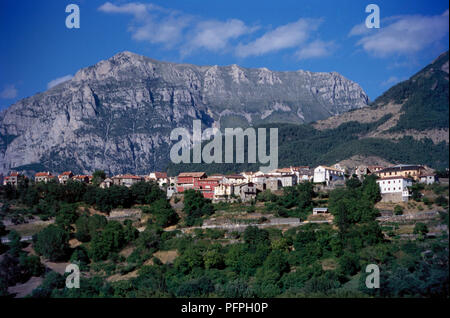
(398, 210)
(213, 258)
(163, 213)
(353, 183)
(196, 206)
(73, 191)
(52, 281)
(15, 244)
(130, 232)
(99, 248)
(80, 257)
(441, 201)
(255, 236)
(52, 242)
(146, 192)
(420, 228)
(66, 216)
(277, 261)
(98, 176)
(349, 263)
(371, 190)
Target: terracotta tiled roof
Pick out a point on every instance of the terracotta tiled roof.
(192, 174)
(401, 168)
(161, 175)
(390, 178)
(235, 176)
(127, 176)
(43, 174)
(284, 170)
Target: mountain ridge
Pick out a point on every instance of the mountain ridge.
(393, 102)
(406, 124)
(117, 114)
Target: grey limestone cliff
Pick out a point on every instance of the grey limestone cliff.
(117, 114)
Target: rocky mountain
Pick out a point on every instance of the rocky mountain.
(418, 107)
(117, 114)
(409, 123)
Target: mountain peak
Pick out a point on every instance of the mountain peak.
(117, 115)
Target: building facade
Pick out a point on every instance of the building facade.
(405, 171)
(394, 189)
(65, 176)
(186, 180)
(327, 174)
(126, 180)
(43, 177)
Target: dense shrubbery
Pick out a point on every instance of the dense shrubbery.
(48, 199)
(310, 260)
(163, 214)
(52, 242)
(196, 206)
(295, 202)
(16, 266)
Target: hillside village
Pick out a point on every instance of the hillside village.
(159, 221)
(296, 231)
(395, 181)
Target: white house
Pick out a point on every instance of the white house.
(287, 180)
(246, 191)
(327, 174)
(171, 190)
(394, 189)
(126, 179)
(303, 173)
(428, 178)
(107, 183)
(159, 177)
(259, 178)
(234, 179)
(248, 176)
(223, 191)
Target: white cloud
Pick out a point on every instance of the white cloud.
(315, 49)
(171, 28)
(151, 23)
(59, 80)
(187, 33)
(283, 37)
(214, 35)
(359, 29)
(402, 35)
(136, 9)
(9, 92)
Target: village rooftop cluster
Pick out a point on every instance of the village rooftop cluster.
(394, 181)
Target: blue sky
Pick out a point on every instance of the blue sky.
(39, 51)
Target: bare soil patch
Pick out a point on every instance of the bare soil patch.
(166, 257)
